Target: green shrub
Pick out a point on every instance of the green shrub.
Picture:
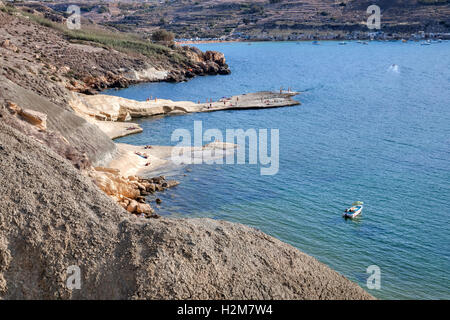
(7, 8)
(120, 42)
(102, 9)
(162, 35)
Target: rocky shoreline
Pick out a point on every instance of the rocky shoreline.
(113, 114)
(201, 64)
(126, 181)
(131, 192)
(65, 186)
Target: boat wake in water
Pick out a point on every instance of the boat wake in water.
(394, 68)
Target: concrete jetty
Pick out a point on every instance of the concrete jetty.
(257, 100)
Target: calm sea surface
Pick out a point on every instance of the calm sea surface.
(364, 131)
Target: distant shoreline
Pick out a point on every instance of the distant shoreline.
(209, 41)
(309, 40)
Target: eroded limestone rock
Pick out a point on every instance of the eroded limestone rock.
(34, 118)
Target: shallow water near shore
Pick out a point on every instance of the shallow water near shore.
(365, 131)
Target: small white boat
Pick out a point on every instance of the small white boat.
(354, 211)
(343, 43)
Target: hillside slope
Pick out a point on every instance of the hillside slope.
(267, 19)
(92, 58)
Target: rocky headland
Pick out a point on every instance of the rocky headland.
(71, 196)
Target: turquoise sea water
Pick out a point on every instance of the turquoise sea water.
(363, 132)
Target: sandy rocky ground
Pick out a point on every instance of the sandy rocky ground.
(62, 205)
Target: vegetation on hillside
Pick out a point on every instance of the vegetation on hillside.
(123, 42)
(163, 36)
(7, 8)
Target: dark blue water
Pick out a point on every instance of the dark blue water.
(363, 132)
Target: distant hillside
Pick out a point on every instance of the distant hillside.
(245, 18)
